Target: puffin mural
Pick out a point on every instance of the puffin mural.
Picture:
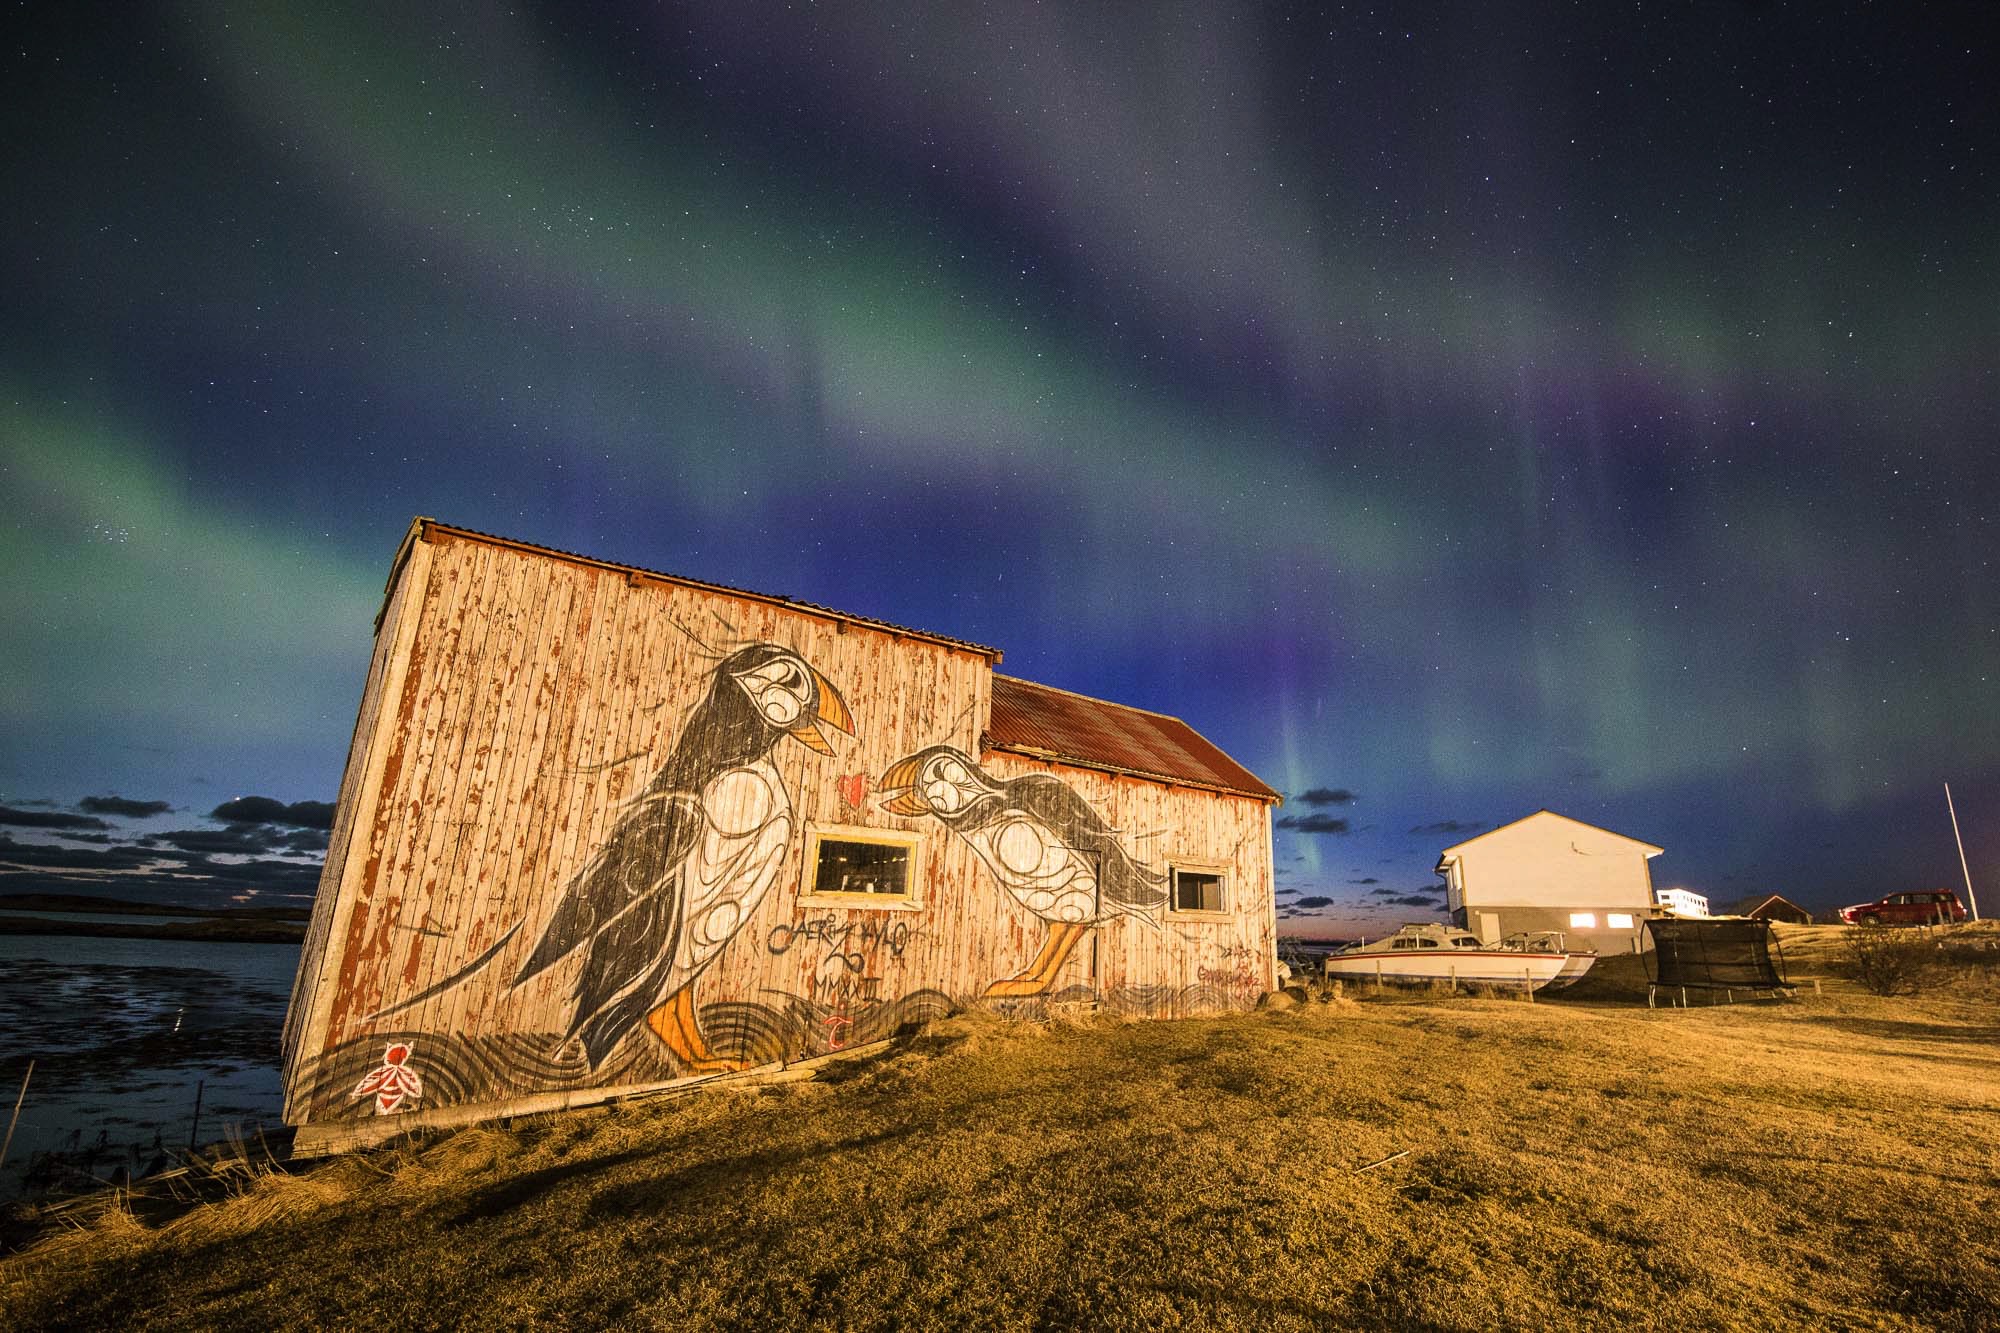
(690, 860)
(1042, 842)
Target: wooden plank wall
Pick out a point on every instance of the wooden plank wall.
(534, 699)
(1186, 963)
(393, 634)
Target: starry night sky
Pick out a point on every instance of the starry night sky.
(1585, 406)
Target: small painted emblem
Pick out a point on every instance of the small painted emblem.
(392, 1084)
(854, 789)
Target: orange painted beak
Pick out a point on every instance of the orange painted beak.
(898, 788)
(832, 711)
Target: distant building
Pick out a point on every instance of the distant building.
(1551, 872)
(1772, 907)
(1681, 902)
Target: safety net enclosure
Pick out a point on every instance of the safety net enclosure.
(1733, 953)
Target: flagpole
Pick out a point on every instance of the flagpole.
(1971, 901)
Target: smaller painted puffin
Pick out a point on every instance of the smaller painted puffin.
(1043, 842)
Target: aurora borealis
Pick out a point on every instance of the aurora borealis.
(1451, 415)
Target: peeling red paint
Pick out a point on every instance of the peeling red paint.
(371, 873)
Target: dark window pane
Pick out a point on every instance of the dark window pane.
(862, 867)
(1195, 891)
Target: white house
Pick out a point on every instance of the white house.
(1681, 902)
(1551, 872)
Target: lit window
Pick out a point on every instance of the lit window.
(1583, 921)
(861, 867)
(1198, 890)
(1618, 920)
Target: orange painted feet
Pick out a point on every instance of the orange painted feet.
(1041, 973)
(674, 1023)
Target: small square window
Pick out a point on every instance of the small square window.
(1198, 891)
(1618, 920)
(1583, 921)
(859, 867)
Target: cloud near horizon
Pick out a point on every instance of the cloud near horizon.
(1313, 824)
(54, 820)
(267, 810)
(1450, 826)
(119, 805)
(1320, 796)
(161, 874)
(264, 847)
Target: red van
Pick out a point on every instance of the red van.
(1906, 909)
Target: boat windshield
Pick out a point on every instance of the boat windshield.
(1428, 944)
(1465, 942)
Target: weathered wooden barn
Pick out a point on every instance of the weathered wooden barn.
(603, 829)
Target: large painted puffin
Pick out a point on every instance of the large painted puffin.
(691, 858)
(1042, 841)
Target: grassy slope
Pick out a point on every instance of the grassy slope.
(1834, 1161)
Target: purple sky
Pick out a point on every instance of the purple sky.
(1450, 414)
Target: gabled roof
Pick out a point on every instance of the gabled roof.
(1756, 902)
(1034, 720)
(1043, 722)
(429, 529)
(1650, 850)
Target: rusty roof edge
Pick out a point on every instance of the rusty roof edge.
(1267, 795)
(1093, 699)
(424, 526)
(409, 542)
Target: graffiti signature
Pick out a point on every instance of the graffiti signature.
(1239, 977)
(841, 991)
(849, 941)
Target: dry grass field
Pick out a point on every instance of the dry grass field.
(1831, 1161)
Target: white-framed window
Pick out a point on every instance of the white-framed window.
(1199, 890)
(849, 866)
(1583, 921)
(1618, 920)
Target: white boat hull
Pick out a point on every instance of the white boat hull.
(1496, 967)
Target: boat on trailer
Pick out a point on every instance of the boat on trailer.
(1429, 952)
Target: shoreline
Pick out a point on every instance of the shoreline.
(210, 929)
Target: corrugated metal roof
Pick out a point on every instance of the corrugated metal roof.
(1048, 723)
(424, 527)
